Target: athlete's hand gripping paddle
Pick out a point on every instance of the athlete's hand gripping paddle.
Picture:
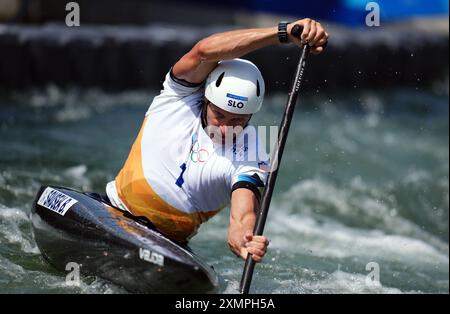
(276, 157)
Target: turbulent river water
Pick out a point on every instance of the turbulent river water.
(363, 186)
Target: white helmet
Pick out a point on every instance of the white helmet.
(236, 86)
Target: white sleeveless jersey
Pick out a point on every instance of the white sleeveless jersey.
(175, 174)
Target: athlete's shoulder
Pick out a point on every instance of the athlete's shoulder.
(179, 87)
(177, 94)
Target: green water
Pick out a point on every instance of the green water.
(364, 179)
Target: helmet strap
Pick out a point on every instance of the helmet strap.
(204, 121)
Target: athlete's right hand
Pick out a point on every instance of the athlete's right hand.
(313, 34)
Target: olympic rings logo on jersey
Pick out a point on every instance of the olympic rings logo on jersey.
(198, 154)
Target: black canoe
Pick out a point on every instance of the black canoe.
(71, 227)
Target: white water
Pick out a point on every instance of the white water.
(353, 189)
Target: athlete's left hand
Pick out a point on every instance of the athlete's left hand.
(255, 245)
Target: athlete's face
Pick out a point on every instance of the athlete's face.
(223, 120)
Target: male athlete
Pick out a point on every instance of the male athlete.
(181, 170)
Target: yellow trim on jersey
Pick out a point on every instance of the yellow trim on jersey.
(136, 193)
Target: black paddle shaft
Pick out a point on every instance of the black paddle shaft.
(276, 158)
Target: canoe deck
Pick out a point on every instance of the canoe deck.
(71, 227)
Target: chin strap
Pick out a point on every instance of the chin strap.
(204, 122)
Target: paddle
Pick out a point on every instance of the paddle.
(276, 158)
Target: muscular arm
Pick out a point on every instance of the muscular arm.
(242, 220)
(196, 65)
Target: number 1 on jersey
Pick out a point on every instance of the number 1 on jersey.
(180, 179)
